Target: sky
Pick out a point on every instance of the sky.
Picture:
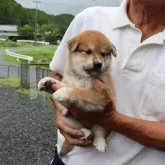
(56, 7)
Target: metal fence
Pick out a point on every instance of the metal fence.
(26, 73)
(19, 56)
(7, 71)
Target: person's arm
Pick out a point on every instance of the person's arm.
(148, 133)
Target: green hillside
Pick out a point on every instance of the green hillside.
(13, 13)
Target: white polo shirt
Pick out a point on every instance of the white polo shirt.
(139, 78)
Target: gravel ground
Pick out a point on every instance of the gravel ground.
(27, 133)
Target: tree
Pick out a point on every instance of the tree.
(13, 13)
(26, 31)
(51, 32)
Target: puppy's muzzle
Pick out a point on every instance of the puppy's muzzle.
(97, 66)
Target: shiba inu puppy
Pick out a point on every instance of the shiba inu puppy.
(89, 58)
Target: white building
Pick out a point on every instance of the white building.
(9, 30)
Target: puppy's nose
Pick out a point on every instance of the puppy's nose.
(97, 65)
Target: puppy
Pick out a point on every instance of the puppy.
(89, 58)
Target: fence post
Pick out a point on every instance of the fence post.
(47, 72)
(8, 71)
(25, 77)
(19, 72)
(33, 82)
(42, 72)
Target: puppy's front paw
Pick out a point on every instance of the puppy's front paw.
(87, 134)
(100, 144)
(61, 95)
(46, 83)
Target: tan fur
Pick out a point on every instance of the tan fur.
(85, 50)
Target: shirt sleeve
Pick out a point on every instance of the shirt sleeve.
(58, 62)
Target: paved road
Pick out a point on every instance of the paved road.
(14, 71)
(27, 133)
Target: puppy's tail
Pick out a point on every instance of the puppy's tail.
(66, 148)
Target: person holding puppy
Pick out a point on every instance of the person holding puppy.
(137, 29)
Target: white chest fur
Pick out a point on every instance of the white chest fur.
(75, 81)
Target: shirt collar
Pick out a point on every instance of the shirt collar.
(164, 35)
(155, 39)
(121, 18)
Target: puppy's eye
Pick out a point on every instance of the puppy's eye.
(103, 54)
(88, 51)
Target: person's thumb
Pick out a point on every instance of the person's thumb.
(63, 110)
(98, 85)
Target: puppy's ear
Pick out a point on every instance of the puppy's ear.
(113, 48)
(73, 44)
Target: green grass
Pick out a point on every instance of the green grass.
(37, 54)
(26, 92)
(6, 44)
(15, 83)
(22, 91)
(10, 82)
(40, 54)
(11, 60)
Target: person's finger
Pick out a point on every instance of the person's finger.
(55, 87)
(108, 109)
(60, 108)
(63, 110)
(77, 142)
(68, 130)
(98, 85)
(51, 98)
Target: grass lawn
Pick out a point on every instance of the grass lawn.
(6, 44)
(11, 60)
(40, 54)
(26, 92)
(37, 54)
(15, 83)
(10, 82)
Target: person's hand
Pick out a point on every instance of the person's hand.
(70, 134)
(106, 118)
(109, 117)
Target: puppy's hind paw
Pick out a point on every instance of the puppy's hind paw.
(100, 144)
(87, 134)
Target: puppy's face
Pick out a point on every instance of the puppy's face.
(90, 53)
